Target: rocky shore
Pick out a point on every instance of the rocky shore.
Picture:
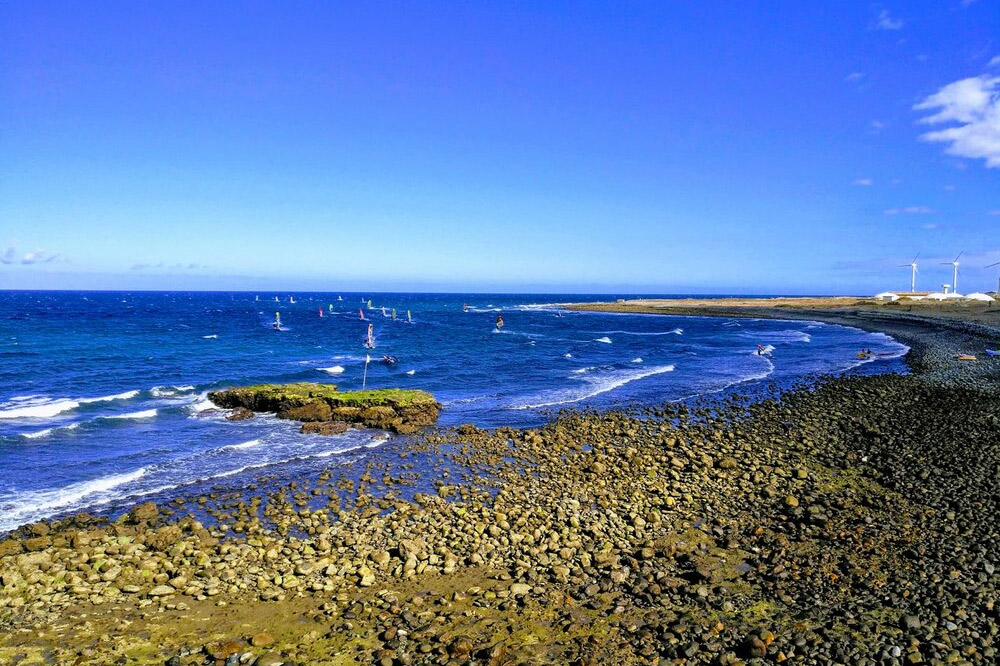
(850, 522)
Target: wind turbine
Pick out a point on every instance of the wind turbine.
(998, 277)
(913, 272)
(954, 265)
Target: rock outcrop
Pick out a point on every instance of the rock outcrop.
(398, 410)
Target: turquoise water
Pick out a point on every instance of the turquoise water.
(102, 395)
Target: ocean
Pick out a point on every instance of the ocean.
(103, 394)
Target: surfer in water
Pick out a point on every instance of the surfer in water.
(276, 324)
(762, 351)
(499, 322)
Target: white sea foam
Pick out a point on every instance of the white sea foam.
(606, 340)
(38, 409)
(210, 337)
(48, 431)
(567, 356)
(675, 331)
(144, 414)
(20, 508)
(411, 372)
(127, 395)
(637, 360)
(169, 391)
(334, 370)
(243, 445)
(597, 385)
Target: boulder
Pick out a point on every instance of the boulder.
(324, 428)
(239, 414)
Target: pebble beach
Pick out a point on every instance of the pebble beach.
(850, 520)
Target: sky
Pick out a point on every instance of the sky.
(785, 147)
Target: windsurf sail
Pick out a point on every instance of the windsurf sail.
(370, 338)
(320, 310)
(361, 314)
(408, 319)
(276, 324)
(394, 314)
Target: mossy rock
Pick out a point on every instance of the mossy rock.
(401, 410)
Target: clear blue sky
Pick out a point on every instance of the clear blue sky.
(788, 147)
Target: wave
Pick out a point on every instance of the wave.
(127, 395)
(567, 356)
(47, 408)
(144, 414)
(334, 370)
(210, 337)
(243, 445)
(411, 372)
(25, 507)
(606, 340)
(169, 391)
(600, 385)
(637, 360)
(48, 431)
(675, 331)
(580, 371)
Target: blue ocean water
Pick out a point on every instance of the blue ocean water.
(102, 395)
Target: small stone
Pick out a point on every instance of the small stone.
(791, 501)
(262, 639)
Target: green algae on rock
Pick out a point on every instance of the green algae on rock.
(399, 410)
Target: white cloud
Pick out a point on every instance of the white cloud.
(885, 21)
(994, 61)
(909, 210)
(974, 105)
(929, 227)
(39, 257)
(854, 76)
(877, 126)
(950, 188)
(863, 182)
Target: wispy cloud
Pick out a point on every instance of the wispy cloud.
(877, 126)
(854, 77)
(909, 210)
(929, 226)
(863, 182)
(885, 21)
(973, 105)
(993, 212)
(994, 62)
(39, 257)
(161, 265)
(9, 256)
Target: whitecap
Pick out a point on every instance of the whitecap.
(44, 409)
(127, 395)
(169, 391)
(144, 414)
(567, 356)
(597, 386)
(606, 340)
(20, 508)
(243, 445)
(637, 360)
(334, 370)
(210, 337)
(411, 372)
(48, 431)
